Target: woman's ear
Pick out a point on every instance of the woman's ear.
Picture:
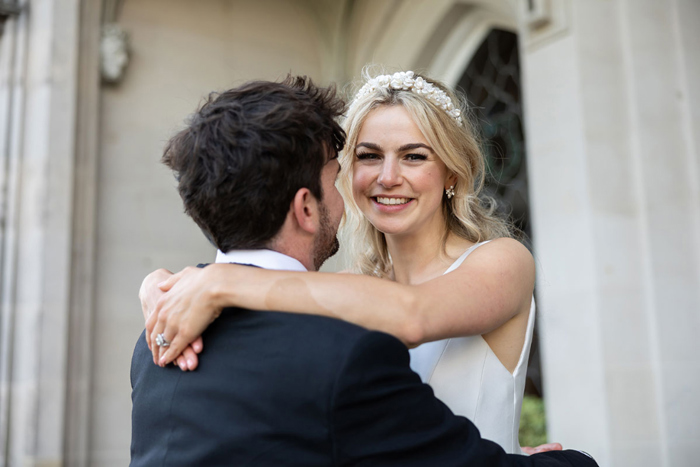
(305, 210)
(451, 180)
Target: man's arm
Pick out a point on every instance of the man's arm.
(382, 414)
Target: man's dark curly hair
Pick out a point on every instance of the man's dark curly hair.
(247, 151)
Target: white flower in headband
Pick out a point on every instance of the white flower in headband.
(404, 81)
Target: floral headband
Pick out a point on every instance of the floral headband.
(404, 81)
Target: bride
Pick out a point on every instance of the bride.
(434, 266)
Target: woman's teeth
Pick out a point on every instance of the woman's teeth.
(393, 200)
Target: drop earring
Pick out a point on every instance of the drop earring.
(450, 192)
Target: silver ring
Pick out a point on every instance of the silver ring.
(160, 340)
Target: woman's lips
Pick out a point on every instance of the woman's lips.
(391, 204)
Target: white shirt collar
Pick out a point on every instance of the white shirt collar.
(266, 259)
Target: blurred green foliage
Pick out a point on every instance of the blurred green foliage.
(533, 427)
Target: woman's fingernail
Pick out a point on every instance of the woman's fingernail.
(161, 362)
(183, 365)
(190, 363)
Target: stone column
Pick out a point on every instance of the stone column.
(612, 110)
(39, 76)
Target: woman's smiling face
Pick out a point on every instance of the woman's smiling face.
(398, 180)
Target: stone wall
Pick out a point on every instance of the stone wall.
(612, 107)
(612, 114)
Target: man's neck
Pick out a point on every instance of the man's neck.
(297, 248)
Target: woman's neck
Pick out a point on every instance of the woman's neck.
(418, 258)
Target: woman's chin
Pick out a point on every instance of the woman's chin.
(390, 228)
(388, 224)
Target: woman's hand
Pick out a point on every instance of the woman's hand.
(188, 359)
(182, 313)
(542, 448)
(149, 293)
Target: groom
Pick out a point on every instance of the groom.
(256, 169)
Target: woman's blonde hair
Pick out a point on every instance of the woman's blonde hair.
(468, 214)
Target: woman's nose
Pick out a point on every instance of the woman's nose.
(390, 174)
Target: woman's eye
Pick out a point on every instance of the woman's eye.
(366, 156)
(416, 157)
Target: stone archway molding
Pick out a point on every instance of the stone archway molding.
(392, 34)
(439, 36)
(465, 28)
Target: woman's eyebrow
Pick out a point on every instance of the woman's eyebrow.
(373, 146)
(405, 147)
(408, 147)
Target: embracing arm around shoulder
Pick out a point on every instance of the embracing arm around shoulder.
(490, 288)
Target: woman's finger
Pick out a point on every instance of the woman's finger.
(145, 308)
(169, 353)
(156, 322)
(154, 346)
(151, 335)
(542, 448)
(149, 292)
(181, 362)
(171, 338)
(198, 345)
(150, 324)
(168, 283)
(168, 335)
(190, 357)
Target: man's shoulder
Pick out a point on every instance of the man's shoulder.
(240, 332)
(296, 332)
(297, 325)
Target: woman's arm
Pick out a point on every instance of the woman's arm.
(486, 291)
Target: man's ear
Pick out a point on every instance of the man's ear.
(305, 210)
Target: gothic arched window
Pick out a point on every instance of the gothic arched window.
(492, 85)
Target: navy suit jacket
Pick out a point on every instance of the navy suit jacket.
(297, 390)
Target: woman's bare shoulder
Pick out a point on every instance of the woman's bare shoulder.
(504, 257)
(508, 247)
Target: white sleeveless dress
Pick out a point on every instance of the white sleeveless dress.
(468, 377)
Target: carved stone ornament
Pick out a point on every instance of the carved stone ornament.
(114, 53)
(8, 8)
(544, 21)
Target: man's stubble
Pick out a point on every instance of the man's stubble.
(326, 244)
